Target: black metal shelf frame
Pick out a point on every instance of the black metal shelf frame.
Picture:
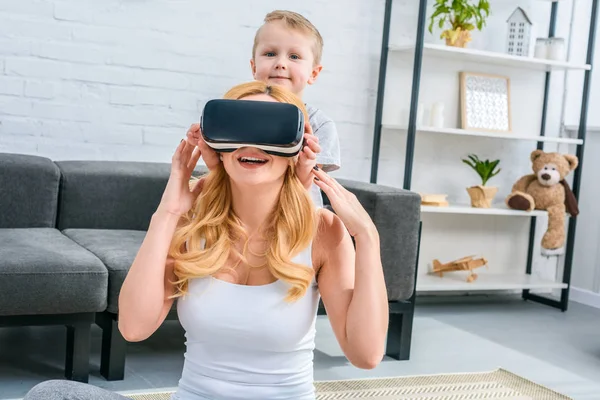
(561, 304)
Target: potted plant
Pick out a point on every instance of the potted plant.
(482, 195)
(462, 16)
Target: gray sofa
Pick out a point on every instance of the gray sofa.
(69, 230)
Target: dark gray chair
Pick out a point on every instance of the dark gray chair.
(45, 278)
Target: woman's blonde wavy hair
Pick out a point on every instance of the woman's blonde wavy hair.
(291, 226)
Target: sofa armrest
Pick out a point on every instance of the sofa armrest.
(28, 191)
(396, 213)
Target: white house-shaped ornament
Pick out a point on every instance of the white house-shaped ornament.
(518, 39)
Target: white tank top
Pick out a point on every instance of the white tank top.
(247, 342)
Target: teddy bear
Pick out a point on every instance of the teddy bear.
(547, 189)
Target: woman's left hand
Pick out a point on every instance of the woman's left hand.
(307, 158)
(346, 205)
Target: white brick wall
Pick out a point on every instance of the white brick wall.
(122, 79)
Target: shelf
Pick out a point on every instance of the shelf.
(456, 281)
(588, 128)
(495, 135)
(495, 58)
(496, 209)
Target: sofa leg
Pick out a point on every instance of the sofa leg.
(77, 365)
(114, 348)
(112, 358)
(399, 335)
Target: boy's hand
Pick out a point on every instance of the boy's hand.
(307, 158)
(194, 137)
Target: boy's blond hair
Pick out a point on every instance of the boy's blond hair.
(294, 20)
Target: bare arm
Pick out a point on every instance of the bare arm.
(351, 281)
(143, 301)
(353, 289)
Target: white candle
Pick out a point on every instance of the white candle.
(541, 48)
(420, 113)
(437, 115)
(556, 49)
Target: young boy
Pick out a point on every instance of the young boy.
(287, 52)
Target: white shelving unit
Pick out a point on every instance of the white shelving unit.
(508, 136)
(513, 277)
(456, 281)
(496, 209)
(488, 57)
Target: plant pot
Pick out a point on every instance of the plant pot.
(482, 196)
(457, 38)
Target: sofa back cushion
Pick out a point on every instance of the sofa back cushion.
(110, 194)
(28, 191)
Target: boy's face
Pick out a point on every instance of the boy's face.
(285, 57)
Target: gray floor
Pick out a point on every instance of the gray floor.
(559, 350)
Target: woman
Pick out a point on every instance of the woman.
(248, 257)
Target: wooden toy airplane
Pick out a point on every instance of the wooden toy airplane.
(462, 264)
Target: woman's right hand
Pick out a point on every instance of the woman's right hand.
(194, 137)
(178, 198)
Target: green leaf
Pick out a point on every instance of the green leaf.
(470, 164)
(463, 14)
(441, 12)
(486, 169)
(437, 12)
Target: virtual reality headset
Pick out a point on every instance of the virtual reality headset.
(276, 128)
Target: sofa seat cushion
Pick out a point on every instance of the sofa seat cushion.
(44, 272)
(116, 248)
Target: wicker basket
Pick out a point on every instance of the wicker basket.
(463, 38)
(482, 196)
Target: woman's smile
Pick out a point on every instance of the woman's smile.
(252, 158)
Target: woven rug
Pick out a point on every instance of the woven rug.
(499, 384)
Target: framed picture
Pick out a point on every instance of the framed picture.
(485, 102)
